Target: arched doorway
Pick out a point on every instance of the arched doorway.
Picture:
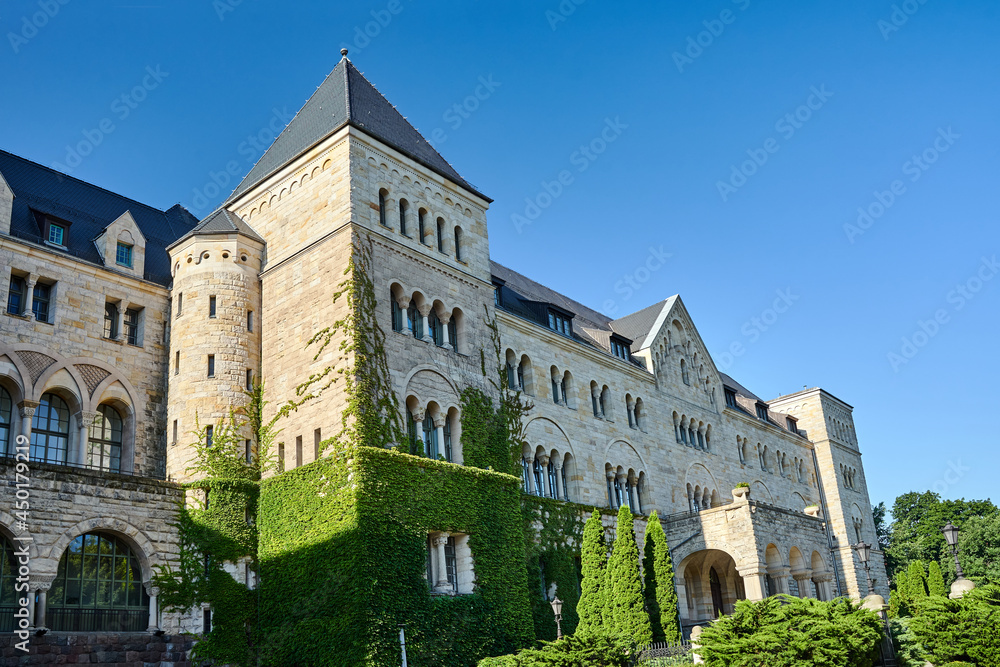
(717, 604)
(708, 586)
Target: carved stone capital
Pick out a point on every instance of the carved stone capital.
(28, 408)
(441, 539)
(544, 460)
(85, 418)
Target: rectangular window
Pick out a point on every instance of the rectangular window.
(175, 432)
(180, 303)
(15, 297)
(40, 302)
(560, 323)
(209, 434)
(211, 306)
(761, 411)
(317, 438)
(249, 451)
(731, 398)
(620, 350)
(211, 365)
(281, 457)
(177, 362)
(250, 320)
(57, 234)
(110, 321)
(132, 326)
(249, 380)
(123, 255)
(792, 425)
(207, 625)
(298, 451)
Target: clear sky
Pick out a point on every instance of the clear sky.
(726, 145)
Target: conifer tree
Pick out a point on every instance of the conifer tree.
(898, 598)
(658, 575)
(625, 616)
(916, 576)
(935, 580)
(594, 559)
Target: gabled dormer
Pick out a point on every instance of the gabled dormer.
(6, 205)
(122, 246)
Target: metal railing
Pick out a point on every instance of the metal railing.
(72, 619)
(7, 458)
(7, 619)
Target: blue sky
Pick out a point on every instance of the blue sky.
(740, 138)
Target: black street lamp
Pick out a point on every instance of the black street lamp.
(557, 610)
(951, 537)
(864, 553)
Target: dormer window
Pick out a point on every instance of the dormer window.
(560, 323)
(761, 411)
(123, 255)
(620, 349)
(57, 234)
(792, 424)
(731, 398)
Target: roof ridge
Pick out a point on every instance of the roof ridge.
(347, 88)
(83, 182)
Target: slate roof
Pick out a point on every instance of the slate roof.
(221, 221)
(40, 191)
(347, 97)
(639, 324)
(747, 400)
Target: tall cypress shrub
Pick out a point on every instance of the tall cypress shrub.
(935, 580)
(658, 575)
(594, 558)
(899, 596)
(916, 576)
(625, 614)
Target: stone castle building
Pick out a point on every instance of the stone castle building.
(124, 325)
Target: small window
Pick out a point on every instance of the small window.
(381, 208)
(248, 451)
(620, 350)
(15, 297)
(440, 234)
(421, 227)
(132, 326)
(211, 306)
(560, 323)
(281, 457)
(40, 302)
(209, 434)
(761, 411)
(177, 362)
(249, 380)
(123, 255)
(207, 625)
(731, 398)
(397, 315)
(57, 234)
(175, 432)
(110, 321)
(211, 365)
(458, 244)
(404, 208)
(792, 425)
(298, 451)
(180, 303)
(250, 321)
(317, 438)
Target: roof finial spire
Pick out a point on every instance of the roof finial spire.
(343, 52)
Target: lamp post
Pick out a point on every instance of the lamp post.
(557, 610)
(961, 585)
(864, 552)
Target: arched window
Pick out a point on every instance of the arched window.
(565, 486)
(110, 321)
(404, 208)
(50, 430)
(415, 321)
(701, 440)
(604, 402)
(447, 439)
(520, 375)
(453, 333)
(539, 483)
(564, 389)
(458, 243)
(631, 498)
(553, 484)
(440, 234)
(381, 208)
(98, 588)
(639, 491)
(619, 492)
(555, 386)
(397, 314)
(430, 438)
(525, 474)
(684, 372)
(421, 231)
(105, 446)
(611, 494)
(437, 329)
(6, 417)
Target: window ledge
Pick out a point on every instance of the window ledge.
(17, 316)
(56, 245)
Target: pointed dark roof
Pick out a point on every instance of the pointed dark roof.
(221, 221)
(639, 324)
(40, 191)
(347, 97)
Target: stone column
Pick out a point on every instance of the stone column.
(595, 396)
(545, 490)
(153, 592)
(560, 492)
(441, 585)
(78, 454)
(530, 459)
(611, 482)
(630, 406)
(418, 418)
(633, 494)
(120, 316)
(754, 581)
(404, 303)
(623, 479)
(780, 577)
(445, 319)
(803, 578)
(40, 615)
(439, 429)
(425, 311)
(823, 585)
(27, 409)
(29, 295)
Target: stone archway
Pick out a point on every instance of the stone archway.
(708, 585)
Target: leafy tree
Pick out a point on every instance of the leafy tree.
(916, 579)
(966, 629)
(784, 631)
(658, 573)
(625, 614)
(979, 551)
(594, 559)
(935, 580)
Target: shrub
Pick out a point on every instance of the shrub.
(966, 629)
(958, 664)
(783, 631)
(935, 580)
(594, 558)
(743, 485)
(625, 614)
(916, 577)
(592, 650)
(658, 572)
